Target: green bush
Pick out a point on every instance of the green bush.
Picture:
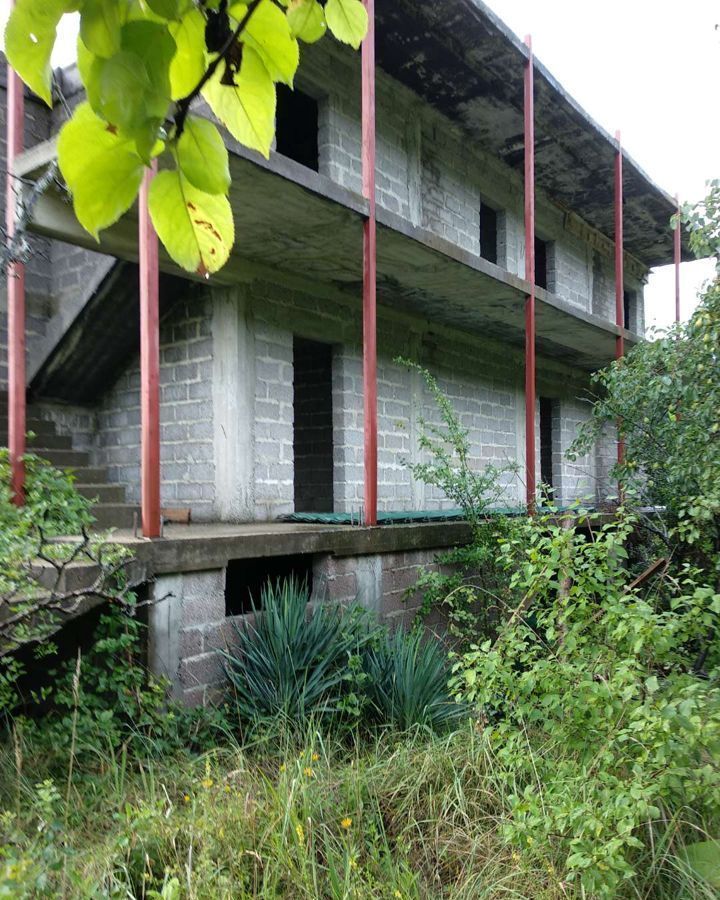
(294, 662)
(598, 714)
(50, 527)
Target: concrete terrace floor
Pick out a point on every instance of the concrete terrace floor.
(188, 548)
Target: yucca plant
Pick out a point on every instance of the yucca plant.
(294, 662)
(407, 683)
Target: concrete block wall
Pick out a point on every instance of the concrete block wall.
(430, 173)
(483, 380)
(227, 406)
(38, 277)
(59, 278)
(187, 452)
(273, 452)
(188, 624)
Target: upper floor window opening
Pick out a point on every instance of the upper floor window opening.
(296, 126)
(541, 262)
(488, 233)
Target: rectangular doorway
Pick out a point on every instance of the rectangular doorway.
(313, 426)
(547, 437)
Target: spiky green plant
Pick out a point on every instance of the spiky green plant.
(294, 661)
(408, 683)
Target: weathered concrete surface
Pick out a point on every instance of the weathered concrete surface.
(199, 547)
(319, 250)
(233, 396)
(463, 60)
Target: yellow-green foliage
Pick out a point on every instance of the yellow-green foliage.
(394, 816)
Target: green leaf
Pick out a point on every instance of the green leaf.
(307, 20)
(268, 34)
(246, 108)
(169, 9)
(101, 169)
(188, 64)
(90, 68)
(196, 228)
(203, 157)
(135, 83)
(29, 40)
(100, 24)
(348, 20)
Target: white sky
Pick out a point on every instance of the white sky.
(648, 67)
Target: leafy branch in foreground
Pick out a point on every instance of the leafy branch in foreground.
(47, 577)
(143, 64)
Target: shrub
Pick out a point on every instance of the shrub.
(407, 683)
(469, 579)
(598, 714)
(38, 542)
(292, 663)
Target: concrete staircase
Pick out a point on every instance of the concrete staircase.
(109, 507)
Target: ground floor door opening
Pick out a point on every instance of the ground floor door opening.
(313, 426)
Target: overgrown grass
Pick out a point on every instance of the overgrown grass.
(384, 816)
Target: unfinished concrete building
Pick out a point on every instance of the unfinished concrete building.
(263, 382)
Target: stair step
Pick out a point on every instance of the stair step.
(37, 426)
(89, 474)
(50, 442)
(63, 458)
(114, 515)
(102, 493)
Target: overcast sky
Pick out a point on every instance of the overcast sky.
(650, 68)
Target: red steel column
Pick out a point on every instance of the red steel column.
(369, 269)
(619, 262)
(16, 295)
(619, 266)
(677, 246)
(149, 365)
(529, 115)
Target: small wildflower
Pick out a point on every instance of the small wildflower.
(353, 862)
(346, 822)
(207, 783)
(282, 767)
(515, 856)
(186, 798)
(397, 894)
(315, 757)
(300, 832)
(308, 772)
(227, 788)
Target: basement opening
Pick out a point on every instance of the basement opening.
(246, 578)
(313, 426)
(546, 441)
(296, 125)
(488, 233)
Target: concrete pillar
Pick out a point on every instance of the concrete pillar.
(233, 406)
(368, 573)
(164, 624)
(413, 139)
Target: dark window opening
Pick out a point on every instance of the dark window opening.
(296, 128)
(541, 261)
(488, 233)
(313, 426)
(628, 300)
(546, 441)
(245, 579)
